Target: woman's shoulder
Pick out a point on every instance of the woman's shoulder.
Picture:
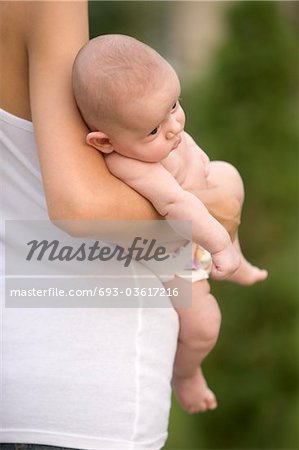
(13, 60)
(30, 32)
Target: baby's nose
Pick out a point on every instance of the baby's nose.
(174, 128)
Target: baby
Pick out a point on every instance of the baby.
(129, 96)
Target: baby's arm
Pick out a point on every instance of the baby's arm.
(155, 183)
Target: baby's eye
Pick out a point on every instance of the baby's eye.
(154, 131)
(174, 106)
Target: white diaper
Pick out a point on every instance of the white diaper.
(191, 262)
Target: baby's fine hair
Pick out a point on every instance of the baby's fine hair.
(111, 70)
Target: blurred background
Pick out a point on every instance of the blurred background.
(238, 64)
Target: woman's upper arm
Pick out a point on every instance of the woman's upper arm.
(76, 181)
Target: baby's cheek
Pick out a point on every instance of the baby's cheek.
(162, 149)
(182, 117)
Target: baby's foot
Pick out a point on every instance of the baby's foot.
(247, 274)
(193, 393)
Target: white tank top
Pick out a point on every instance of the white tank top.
(79, 378)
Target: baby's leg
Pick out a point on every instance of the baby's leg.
(224, 177)
(199, 329)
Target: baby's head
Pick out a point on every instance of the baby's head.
(128, 96)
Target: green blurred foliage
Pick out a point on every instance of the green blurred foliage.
(142, 20)
(244, 112)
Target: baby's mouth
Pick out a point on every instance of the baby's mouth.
(177, 143)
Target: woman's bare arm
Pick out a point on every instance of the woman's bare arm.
(78, 186)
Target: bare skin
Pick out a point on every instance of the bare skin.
(165, 165)
(191, 388)
(199, 329)
(189, 383)
(224, 187)
(231, 182)
(31, 54)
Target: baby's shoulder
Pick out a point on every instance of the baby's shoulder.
(133, 170)
(121, 166)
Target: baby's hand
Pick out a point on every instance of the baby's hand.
(225, 262)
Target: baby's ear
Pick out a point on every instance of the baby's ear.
(100, 141)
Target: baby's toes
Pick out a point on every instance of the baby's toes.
(211, 402)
